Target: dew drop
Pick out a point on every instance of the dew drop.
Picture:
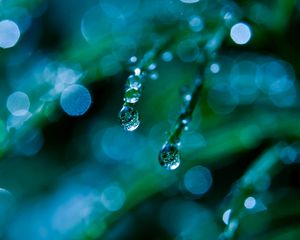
(129, 118)
(169, 157)
(134, 81)
(132, 95)
(185, 121)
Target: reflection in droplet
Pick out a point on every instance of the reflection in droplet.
(129, 118)
(134, 81)
(198, 180)
(169, 157)
(75, 100)
(132, 95)
(18, 103)
(112, 198)
(9, 33)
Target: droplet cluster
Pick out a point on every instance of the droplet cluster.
(169, 156)
(128, 116)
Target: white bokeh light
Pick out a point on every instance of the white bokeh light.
(250, 202)
(240, 33)
(9, 33)
(226, 216)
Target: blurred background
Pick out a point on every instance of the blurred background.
(69, 171)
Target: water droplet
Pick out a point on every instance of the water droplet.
(129, 118)
(186, 120)
(177, 142)
(186, 94)
(132, 95)
(169, 157)
(134, 81)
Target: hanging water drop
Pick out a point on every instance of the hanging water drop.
(129, 118)
(134, 81)
(169, 156)
(132, 95)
